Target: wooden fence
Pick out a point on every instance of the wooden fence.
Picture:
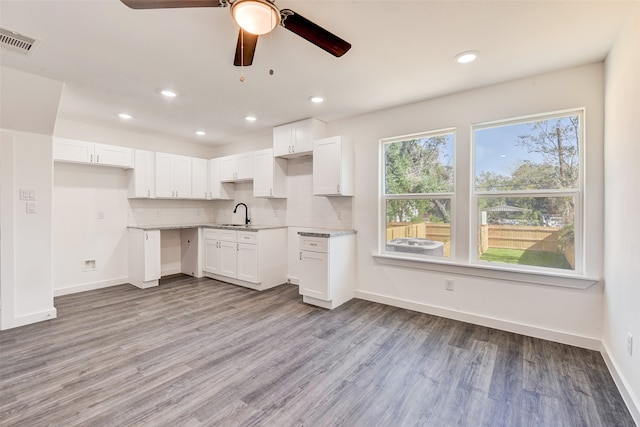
(543, 239)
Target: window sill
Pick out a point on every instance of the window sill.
(488, 272)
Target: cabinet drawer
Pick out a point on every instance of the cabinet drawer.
(314, 244)
(248, 237)
(220, 234)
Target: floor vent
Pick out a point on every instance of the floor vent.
(18, 42)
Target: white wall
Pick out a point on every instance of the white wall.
(29, 105)
(622, 231)
(27, 287)
(566, 315)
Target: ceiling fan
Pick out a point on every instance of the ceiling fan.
(256, 18)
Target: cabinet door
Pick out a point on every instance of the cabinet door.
(71, 150)
(113, 155)
(228, 168)
(152, 255)
(199, 178)
(182, 176)
(248, 262)
(282, 139)
(164, 175)
(302, 134)
(314, 275)
(263, 173)
(245, 166)
(142, 176)
(327, 166)
(217, 189)
(211, 256)
(228, 257)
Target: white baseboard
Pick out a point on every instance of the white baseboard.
(89, 286)
(632, 401)
(170, 271)
(505, 325)
(30, 318)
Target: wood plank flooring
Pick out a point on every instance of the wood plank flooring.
(197, 352)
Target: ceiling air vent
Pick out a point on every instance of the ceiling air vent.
(18, 42)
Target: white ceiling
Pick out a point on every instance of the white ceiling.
(115, 59)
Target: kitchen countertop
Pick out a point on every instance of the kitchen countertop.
(239, 227)
(326, 233)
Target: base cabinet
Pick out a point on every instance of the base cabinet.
(247, 258)
(327, 272)
(144, 257)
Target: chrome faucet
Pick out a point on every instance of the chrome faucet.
(246, 212)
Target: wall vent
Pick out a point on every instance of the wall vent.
(18, 42)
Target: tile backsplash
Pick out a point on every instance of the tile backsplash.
(300, 209)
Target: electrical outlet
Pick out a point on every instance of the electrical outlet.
(630, 343)
(448, 284)
(100, 214)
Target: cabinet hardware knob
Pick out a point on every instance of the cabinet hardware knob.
(91, 158)
(271, 191)
(148, 193)
(300, 255)
(98, 158)
(338, 188)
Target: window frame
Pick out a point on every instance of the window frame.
(384, 197)
(463, 255)
(576, 193)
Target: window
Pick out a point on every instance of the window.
(417, 195)
(527, 192)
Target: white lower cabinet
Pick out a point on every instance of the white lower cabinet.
(327, 272)
(246, 258)
(144, 257)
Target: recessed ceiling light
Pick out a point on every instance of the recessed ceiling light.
(200, 133)
(316, 99)
(169, 93)
(250, 118)
(466, 57)
(124, 116)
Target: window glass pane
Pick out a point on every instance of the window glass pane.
(419, 227)
(536, 231)
(533, 155)
(419, 165)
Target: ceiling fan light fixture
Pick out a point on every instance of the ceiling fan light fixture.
(256, 16)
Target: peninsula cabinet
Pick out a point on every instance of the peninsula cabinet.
(252, 259)
(218, 189)
(269, 175)
(76, 151)
(173, 176)
(333, 165)
(296, 139)
(238, 167)
(144, 257)
(142, 179)
(327, 273)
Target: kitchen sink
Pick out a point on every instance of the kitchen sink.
(235, 225)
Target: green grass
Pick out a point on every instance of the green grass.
(517, 256)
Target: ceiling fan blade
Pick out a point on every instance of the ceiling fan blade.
(317, 35)
(161, 4)
(244, 54)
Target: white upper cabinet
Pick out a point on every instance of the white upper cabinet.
(142, 177)
(333, 164)
(296, 139)
(76, 151)
(199, 178)
(270, 175)
(238, 167)
(218, 189)
(173, 176)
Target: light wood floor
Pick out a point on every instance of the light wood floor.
(195, 352)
